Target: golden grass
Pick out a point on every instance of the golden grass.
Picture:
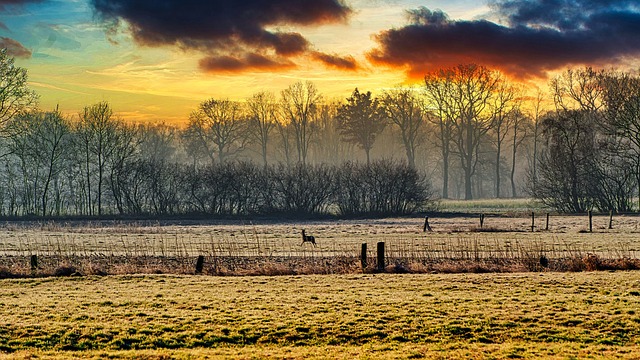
(552, 315)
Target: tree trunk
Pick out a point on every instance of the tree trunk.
(468, 186)
(445, 175)
(513, 163)
(498, 150)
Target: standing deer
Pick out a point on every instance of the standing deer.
(308, 238)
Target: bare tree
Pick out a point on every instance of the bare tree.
(40, 140)
(263, 109)
(402, 107)
(473, 87)
(504, 103)
(15, 96)
(158, 142)
(299, 107)
(125, 145)
(578, 89)
(97, 136)
(361, 120)
(537, 102)
(328, 144)
(621, 94)
(220, 127)
(520, 131)
(443, 114)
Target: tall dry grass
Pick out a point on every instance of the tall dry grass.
(127, 248)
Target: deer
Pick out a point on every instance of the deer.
(308, 238)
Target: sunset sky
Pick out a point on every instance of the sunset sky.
(155, 60)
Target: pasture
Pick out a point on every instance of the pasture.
(366, 316)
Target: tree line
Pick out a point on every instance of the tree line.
(465, 131)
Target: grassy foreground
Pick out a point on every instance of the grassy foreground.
(551, 315)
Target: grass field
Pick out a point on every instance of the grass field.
(551, 315)
(139, 314)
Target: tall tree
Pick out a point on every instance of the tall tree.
(40, 140)
(621, 95)
(504, 104)
(439, 104)
(473, 88)
(402, 107)
(15, 95)
(520, 132)
(97, 137)
(299, 107)
(263, 111)
(220, 127)
(361, 120)
(536, 107)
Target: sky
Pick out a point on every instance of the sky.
(156, 60)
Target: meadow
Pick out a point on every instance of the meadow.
(465, 291)
(366, 316)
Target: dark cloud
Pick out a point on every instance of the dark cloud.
(230, 33)
(347, 63)
(538, 36)
(14, 48)
(254, 62)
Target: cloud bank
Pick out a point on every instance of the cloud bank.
(234, 36)
(534, 36)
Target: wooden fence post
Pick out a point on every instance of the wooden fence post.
(533, 221)
(381, 256)
(426, 225)
(34, 262)
(610, 219)
(481, 220)
(590, 221)
(199, 264)
(363, 256)
(547, 227)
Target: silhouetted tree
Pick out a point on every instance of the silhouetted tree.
(96, 136)
(219, 126)
(402, 107)
(473, 88)
(361, 120)
(442, 113)
(41, 141)
(15, 95)
(299, 108)
(263, 118)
